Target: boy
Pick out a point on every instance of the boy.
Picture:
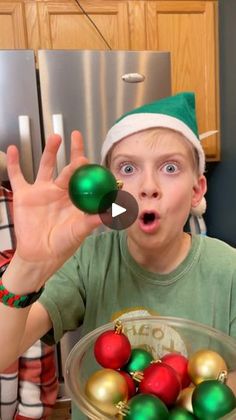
(154, 267)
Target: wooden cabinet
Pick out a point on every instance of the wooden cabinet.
(12, 25)
(189, 29)
(65, 25)
(186, 28)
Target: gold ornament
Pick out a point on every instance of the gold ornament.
(205, 364)
(184, 399)
(106, 388)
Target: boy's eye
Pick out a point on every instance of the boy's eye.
(170, 168)
(127, 168)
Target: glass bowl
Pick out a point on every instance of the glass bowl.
(160, 335)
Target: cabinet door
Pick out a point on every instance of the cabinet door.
(188, 30)
(12, 24)
(64, 25)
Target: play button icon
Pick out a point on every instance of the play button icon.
(123, 211)
(116, 210)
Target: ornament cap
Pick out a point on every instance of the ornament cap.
(123, 408)
(156, 361)
(222, 377)
(119, 184)
(137, 376)
(118, 327)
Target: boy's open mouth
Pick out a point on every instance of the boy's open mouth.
(149, 221)
(148, 217)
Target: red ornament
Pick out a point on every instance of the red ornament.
(161, 380)
(130, 382)
(179, 363)
(112, 348)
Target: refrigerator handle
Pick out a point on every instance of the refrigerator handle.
(26, 155)
(58, 128)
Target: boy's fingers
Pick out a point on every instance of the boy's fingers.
(13, 167)
(48, 159)
(77, 159)
(77, 146)
(63, 178)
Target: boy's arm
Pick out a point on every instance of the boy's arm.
(20, 329)
(49, 229)
(30, 383)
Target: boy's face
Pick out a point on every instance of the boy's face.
(159, 173)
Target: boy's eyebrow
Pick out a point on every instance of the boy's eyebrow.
(165, 156)
(124, 156)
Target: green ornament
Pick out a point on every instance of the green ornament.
(212, 399)
(138, 361)
(180, 413)
(146, 407)
(93, 188)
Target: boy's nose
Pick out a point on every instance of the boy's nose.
(149, 194)
(150, 187)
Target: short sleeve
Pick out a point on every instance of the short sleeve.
(64, 299)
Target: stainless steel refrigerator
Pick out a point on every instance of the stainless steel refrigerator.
(19, 108)
(77, 89)
(89, 90)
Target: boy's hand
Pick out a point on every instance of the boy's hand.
(49, 228)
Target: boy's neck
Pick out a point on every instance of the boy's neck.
(169, 257)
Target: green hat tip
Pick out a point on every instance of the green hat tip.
(180, 106)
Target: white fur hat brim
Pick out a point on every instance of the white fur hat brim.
(138, 122)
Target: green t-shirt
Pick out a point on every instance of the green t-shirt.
(102, 282)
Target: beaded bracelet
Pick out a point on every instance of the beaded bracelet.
(16, 301)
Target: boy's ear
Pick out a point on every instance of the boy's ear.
(199, 190)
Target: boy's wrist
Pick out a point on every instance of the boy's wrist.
(22, 277)
(17, 301)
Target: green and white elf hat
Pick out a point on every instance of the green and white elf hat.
(176, 112)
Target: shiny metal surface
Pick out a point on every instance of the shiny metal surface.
(91, 89)
(19, 98)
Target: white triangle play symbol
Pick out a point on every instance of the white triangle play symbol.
(116, 210)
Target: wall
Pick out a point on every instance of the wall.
(221, 197)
